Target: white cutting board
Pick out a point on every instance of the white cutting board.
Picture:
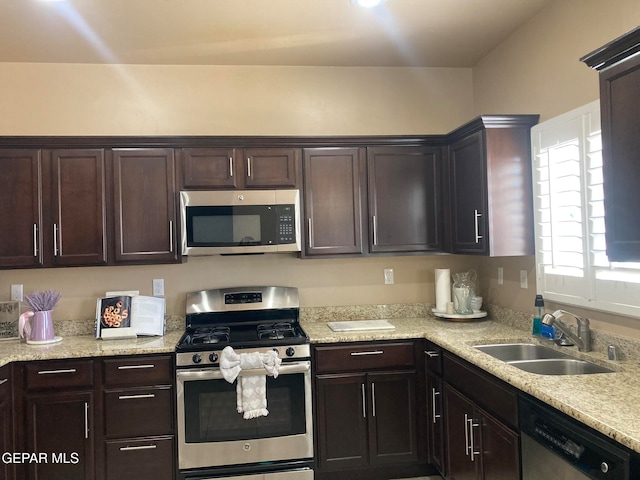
(355, 325)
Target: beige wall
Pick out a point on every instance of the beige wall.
(538, 70)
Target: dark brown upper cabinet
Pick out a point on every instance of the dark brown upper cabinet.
(221, 168)
(405, 207)
(56, 209)
(334, 200)
(619, 67)
(490, 186)
(144, 205)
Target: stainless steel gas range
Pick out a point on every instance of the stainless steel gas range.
(214, 440)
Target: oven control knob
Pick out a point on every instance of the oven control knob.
(196, 358)
(290, 352)
(213, 357)
(604, 467)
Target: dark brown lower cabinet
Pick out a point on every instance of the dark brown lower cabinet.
(140, 459)
(60, 430)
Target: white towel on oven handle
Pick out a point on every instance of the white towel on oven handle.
(251, 390)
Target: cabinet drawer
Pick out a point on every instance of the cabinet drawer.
(137, 370)
(138, 412)
(59, 374)
(433, 358)
(365, 356)
(142, 459)
(485, 390)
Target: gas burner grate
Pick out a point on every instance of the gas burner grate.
(208, 335)
(275, 331)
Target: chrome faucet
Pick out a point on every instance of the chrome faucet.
(583, 339)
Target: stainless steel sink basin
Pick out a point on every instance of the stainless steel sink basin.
(540, 359)
(520, 351)
(559, 366)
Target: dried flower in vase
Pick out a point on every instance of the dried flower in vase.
(43, 301)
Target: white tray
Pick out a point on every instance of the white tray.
(355, 325)
(460, 317)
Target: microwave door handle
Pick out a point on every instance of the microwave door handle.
(216, 374)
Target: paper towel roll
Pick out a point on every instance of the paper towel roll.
(443, 288)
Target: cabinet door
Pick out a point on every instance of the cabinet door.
(78, 214)
(209, 167)
(405, 207)
(334, 180)
(461, 465)
(435, 409)
(145, 206)
(467, 159)
(500, 449)
(271, 167)
(60, 426)
(20, 208)
(620, 110)
(393, 418)
(341, 421)
(6, 421)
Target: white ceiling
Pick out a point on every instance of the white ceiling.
(425, 33)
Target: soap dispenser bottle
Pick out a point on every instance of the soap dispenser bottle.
(537, 316)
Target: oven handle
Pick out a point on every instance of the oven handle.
(216, 374)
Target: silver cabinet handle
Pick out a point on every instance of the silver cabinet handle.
(86, 420)
(364, 402)
(35, 240)
(432, 353)
(55, 239)
(248, 166)
(373, 399)
(135, 367)
(472, 450)
(310, 231)
(375, 229)
(477, 215)
(136, 397)
(434, 394)
(171, 236)
(231, 166)
(3, 381)
(139, 447)
(54, 372)
(466, 435)
(370, 352)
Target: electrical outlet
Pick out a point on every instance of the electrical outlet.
(500, 276)
(524, 281)
(388, 276)
(158, 287)
(16, 293)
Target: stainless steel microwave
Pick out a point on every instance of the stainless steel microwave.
(240, 221)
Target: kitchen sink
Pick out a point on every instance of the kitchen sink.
(540, 359)
(559, 366)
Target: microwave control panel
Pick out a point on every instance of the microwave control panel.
(286, 224)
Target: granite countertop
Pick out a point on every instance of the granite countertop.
(609, 403)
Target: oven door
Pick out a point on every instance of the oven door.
(212, 433)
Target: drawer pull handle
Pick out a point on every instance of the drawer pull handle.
(134, 367)
(134, 397)
(372, 352)
(53, 372)
(432, 354)
(139, 447)
(3, 381)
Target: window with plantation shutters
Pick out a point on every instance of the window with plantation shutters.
(571, 259)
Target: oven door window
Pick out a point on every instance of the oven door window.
(231, 226)
(211, 415)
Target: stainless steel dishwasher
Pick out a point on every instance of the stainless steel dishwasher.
(555, 446)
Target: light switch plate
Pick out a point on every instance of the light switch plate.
(17, 293)
(500, 276)
(524, 281)
(388, 276)
(158, 287)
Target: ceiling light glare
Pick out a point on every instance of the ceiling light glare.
(367, 3)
